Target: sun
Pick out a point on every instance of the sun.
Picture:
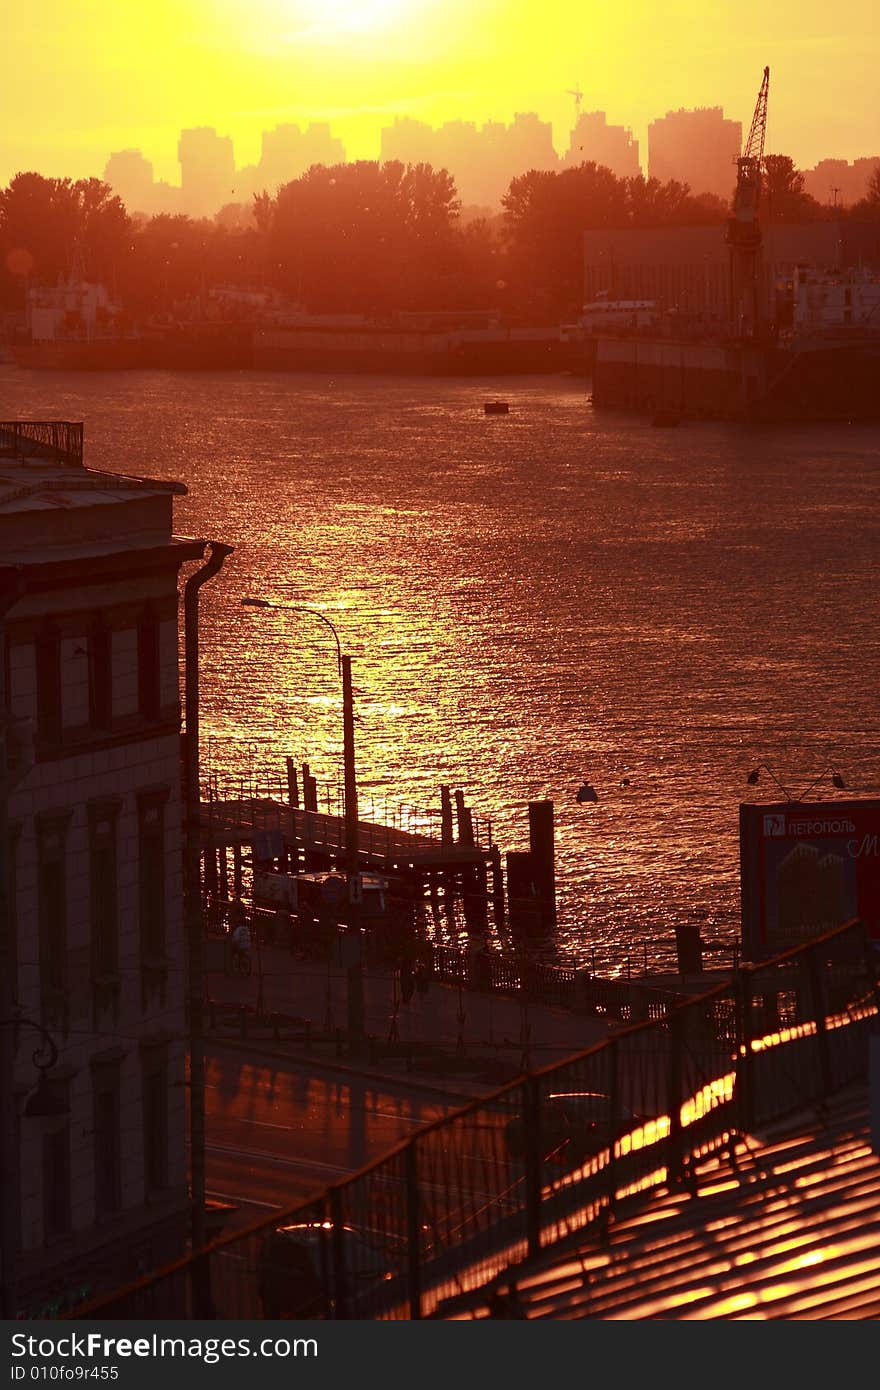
(326, 18)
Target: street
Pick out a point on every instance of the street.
(279, 1131)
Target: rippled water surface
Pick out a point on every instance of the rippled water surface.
(529, 599)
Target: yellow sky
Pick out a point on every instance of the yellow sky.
(92, 76)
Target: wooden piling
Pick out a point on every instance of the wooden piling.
(465, 820)
(497, 886)
(210, 871)
(292, 784)
(446, 835)
(542, 850)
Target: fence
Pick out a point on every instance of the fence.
(267, 789)
(554, 1152)
(61, 439)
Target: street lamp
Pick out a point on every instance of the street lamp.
(352, 840)
(42, 1104)
(836, 780)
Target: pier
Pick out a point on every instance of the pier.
(427, 854)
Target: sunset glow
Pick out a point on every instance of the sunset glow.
(337, 19)
(132, 78)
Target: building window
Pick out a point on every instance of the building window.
(151, 874)
(103, 894)
(106, 1093)
(155, 1108)
(100, 676)
(56, 1183)
(52, 915)
(48, 654)
(148, 668)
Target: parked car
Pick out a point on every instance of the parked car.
(574, 1125)
(295, 1271)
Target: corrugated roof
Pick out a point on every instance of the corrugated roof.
(787, 1226)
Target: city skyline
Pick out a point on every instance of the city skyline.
(696, 146)
(133, 81)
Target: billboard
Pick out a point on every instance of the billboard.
(805, 868)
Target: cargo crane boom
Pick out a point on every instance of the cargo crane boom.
(743, 228)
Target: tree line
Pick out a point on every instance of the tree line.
(361, 238)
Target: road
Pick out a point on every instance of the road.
(280, 1131)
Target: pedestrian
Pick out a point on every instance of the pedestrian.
(236, 913)
(407, 981)
(241, 942)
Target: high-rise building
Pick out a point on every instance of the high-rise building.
(409, 141)
(838, 182)
(207, 171)
(482, 160)
(697, 147)
(287, 152)
(613, 146)
(130, 175)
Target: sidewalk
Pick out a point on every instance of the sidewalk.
(462, 1035)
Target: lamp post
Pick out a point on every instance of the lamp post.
(352, 841)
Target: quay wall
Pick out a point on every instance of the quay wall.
(418, 353)
(691, 379)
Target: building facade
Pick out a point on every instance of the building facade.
(93, 939)
(610, 145)
(839, 183)
(697, 147)
(207, 171)
(686, 270)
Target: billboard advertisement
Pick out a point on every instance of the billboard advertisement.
(805, 868)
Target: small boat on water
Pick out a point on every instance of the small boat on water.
(496, 408)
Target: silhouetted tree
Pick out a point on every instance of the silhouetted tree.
(548, 213)
(56, 227)
(784, 196)
(363, 237)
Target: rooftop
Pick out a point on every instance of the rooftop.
(786, 1225)
(43, 480)
(41, 465)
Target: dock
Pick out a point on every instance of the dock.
(426, 856)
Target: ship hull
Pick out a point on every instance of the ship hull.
(98, 355)
(705, 379)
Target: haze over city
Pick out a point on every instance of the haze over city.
(130, 78)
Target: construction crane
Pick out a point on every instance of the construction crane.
(743, 227)
(578, 98)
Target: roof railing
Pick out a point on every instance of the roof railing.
(51, 439)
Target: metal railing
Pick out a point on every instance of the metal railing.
(383, 824)
(554, 1152)
(61, 439)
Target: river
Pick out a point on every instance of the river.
(529, 600)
